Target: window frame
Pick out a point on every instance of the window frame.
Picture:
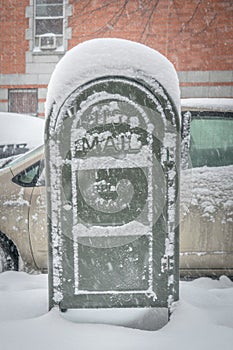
(36, 37)
(26, 90)
(34, 182)
(202, 115)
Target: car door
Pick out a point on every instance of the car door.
(206, 227)
(37, 221)
(14, 207)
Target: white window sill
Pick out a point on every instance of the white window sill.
(58, 51)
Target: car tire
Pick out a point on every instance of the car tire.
(9, 257)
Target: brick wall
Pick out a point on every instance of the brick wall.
(193, 34)
(13, 44)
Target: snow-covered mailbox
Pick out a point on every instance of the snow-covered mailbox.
(112, 160)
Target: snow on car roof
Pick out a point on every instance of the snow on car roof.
(109, 57)
(208, 104)
(21, 128)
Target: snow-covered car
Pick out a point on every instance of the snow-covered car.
(22, 213)
(206, 246)
(19, 133)
(206, 242)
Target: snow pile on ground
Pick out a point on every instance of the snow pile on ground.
(202, 319)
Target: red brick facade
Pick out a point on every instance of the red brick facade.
(13, 43)
(193, 34)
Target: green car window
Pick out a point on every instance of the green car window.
(211, 141)
(32, 176)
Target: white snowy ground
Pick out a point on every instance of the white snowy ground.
(202, 319)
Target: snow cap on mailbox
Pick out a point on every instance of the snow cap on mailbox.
(110, 57)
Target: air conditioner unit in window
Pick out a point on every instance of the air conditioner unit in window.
(47, 41)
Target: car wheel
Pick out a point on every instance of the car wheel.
(9, 257)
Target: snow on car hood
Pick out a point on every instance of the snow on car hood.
(209, 189)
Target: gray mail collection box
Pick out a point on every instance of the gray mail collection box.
(112, 163)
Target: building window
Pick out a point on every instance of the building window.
(49, 24)
(23, 101)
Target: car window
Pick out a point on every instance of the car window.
(211, 139)
(26, 156)
(41, 176)
(32, 176)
